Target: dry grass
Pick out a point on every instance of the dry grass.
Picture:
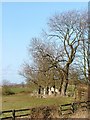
(80, 114)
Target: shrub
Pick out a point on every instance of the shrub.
(6, 90)
(45, 112)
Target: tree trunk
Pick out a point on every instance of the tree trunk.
(89, 50)
(66, 85)
(89, 41)
(66, 79)
(47, 90)
(39, 90)
(84, 52)
(60, 90)
(75, 94)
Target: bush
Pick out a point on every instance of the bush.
(6, 90)
(45, 113)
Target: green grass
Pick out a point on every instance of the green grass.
(15, 90)
(23, 100)
(19, 90)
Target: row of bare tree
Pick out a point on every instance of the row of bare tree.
(61, 53)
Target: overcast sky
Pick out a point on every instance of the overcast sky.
(20, 22)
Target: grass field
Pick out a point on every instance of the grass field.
(23, 100)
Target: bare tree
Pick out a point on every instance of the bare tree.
(81, 59)
(68, 29)
(45, 68)
(39, 72)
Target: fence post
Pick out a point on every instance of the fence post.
(60, 110)
(73, 107)
(13, 114)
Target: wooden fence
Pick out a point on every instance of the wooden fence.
(12, 114)
(72, 107)
(63, 109)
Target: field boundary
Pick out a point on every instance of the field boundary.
(63, 109)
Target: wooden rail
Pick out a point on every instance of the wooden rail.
(14, 112)
(63, 109)
(72, 107)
